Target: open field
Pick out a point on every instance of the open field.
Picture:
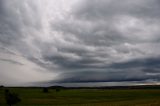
(85, 97)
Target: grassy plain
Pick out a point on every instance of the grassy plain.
(85, 97)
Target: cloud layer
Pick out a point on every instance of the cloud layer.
(79, 41)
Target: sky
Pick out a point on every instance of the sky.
(79, 42)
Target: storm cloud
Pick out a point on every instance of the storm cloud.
(79, 41)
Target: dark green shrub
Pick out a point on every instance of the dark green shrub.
(58, 89)
(11, 98)
(45, 90)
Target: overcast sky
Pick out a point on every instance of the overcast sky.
(79, 41)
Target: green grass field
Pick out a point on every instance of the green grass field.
(84, 97)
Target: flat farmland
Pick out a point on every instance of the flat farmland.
(85, 97)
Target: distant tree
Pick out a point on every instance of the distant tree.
(11, 98)
(58, 89)
(45, 90)
(1, 86)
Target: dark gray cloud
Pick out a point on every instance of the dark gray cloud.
(149, 63)
(83, 40)
(106, 9)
